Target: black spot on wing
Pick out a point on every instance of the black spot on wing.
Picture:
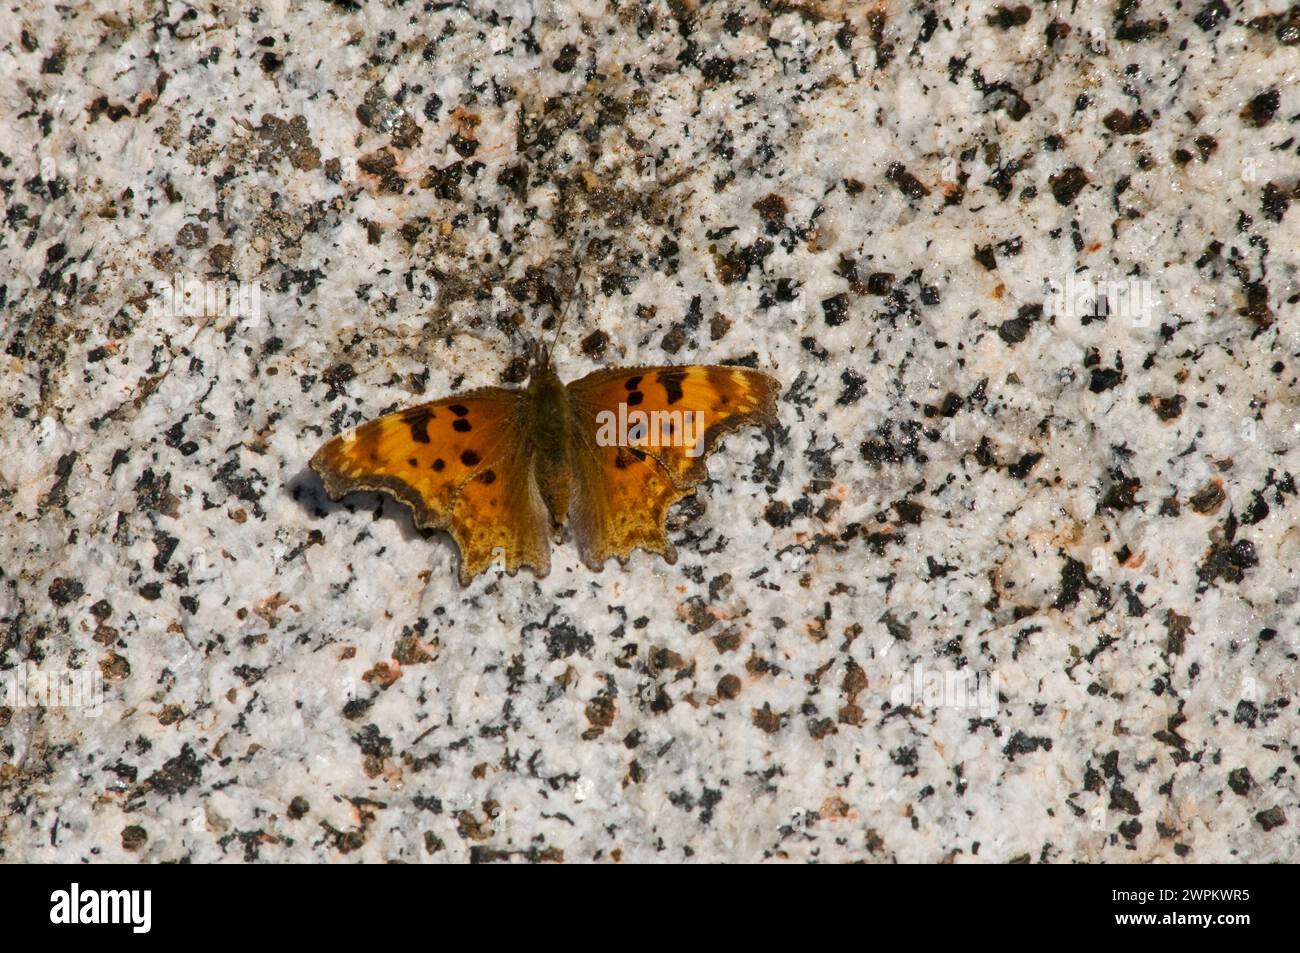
(417, 418)
(635, 398)
(469, 458)
(460, 410)
(488, 476)
(633, 382)
(439, 464)
(672, 384)
(461, 426)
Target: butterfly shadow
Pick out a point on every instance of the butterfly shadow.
(306, 489)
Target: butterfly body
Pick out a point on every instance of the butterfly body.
(549, 431)
(504, 470)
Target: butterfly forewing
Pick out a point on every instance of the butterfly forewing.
(459, 464)
(642, 438)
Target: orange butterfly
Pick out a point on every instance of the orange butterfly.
(500, 468)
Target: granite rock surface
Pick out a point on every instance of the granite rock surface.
(1014, 579)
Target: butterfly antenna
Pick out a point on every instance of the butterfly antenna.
(559, 324)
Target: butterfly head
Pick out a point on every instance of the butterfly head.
(539, 360)
(545, 393)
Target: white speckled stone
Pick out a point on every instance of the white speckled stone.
(1098, 517)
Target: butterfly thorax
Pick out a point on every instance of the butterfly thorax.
(550, 426)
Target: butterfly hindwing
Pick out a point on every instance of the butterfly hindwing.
(620, 501)
(458, 464)
(642, 438)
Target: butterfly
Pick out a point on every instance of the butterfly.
(503, 469)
